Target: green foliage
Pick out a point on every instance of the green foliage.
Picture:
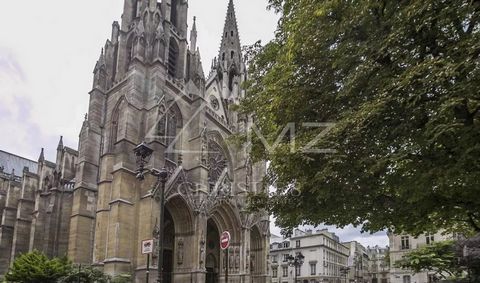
(86, 275)
(122, 278)
(468, 251)
(439, 257)
(35, 267)
(401, 81)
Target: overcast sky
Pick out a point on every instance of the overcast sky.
(48, 50)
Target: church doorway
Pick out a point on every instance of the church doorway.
(213, 253)
(256, 263)
(169, 244)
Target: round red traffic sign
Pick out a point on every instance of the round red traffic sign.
(225, 240)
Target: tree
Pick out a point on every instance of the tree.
(86, 274)
(468, 251)
(35, 267)
(400, 80)
(439, 257)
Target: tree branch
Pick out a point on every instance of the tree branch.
(473, 223)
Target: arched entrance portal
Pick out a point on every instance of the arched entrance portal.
(213, 253)
(169, 245)
(256, 255)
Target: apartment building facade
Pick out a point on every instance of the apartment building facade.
(357, 262)
(402, 244)
(378, 264)
(324, 258)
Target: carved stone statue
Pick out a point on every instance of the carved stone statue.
(237, 258)
(180, 245)
(202, 250)
(231, 261)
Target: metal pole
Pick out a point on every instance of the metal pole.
(148, 268)
(79, 270)
(161, 230)
(295, 267)
(226, 267)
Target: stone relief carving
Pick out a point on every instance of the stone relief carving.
(180, 251)
(202, 250)
(237, 258)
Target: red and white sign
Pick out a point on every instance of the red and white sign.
(225, 240)
(147, 247)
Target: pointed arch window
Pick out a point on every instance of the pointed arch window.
(231, 77)
(173, 52)
(167, 131)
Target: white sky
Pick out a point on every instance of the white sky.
(48, 50)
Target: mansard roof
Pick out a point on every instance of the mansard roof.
(10, 161)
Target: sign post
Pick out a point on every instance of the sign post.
(147, 248)
(224, 245)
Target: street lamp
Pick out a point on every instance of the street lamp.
(296, 261)
(143, 153)
(344, 270)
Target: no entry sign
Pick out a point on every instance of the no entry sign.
(225, 240)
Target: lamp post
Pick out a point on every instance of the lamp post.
(344, 270)
(296, 261)
(143, 153)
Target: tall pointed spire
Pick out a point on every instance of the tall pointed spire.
(60, 144)
(230, 48)
(193, 36)
(41, 158)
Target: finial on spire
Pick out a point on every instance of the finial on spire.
(193, 36)
(60, 144)
(41, 158)
(101, 62)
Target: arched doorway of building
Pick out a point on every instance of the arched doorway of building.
(169, 245)
(256, 254)
(213, 253)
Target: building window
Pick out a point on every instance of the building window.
(274, 272)
(298, 270)
(167, 131)
(172, 58)
(285, 271)
(405, 241)
(297, 243)
(406, 279)
(286, 244)
(429, 239)
(274, 259)
(313, 268)
(285, 257)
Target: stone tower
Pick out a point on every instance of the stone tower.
(149, 86)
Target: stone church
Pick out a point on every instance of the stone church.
(149, 86)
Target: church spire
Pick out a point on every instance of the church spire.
(193, 36)
(60, 144)
(230, 48)
(41, 158)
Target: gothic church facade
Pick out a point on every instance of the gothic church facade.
(149, 86)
